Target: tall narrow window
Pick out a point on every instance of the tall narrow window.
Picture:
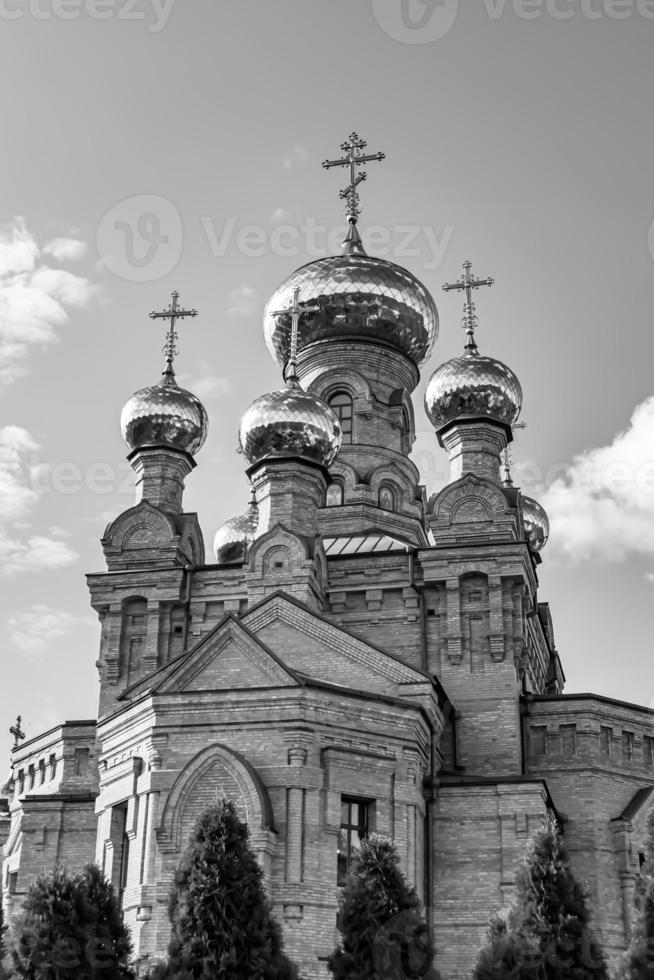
(341, 405)
(605, 740)
(21, 781)
(81, 762)
(355, 817)
(538, 739)
(30, 773)
(648, 750)
(41, 772)
(334, 496)
(568, 739)
(53, 766)
(627, 746)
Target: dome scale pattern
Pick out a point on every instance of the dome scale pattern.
(470, 386)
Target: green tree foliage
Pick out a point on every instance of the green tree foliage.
(70, 928)
(383, 933)
(638, 962)
(546, 934)
(222, 923)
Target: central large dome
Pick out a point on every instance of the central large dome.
(360, 297)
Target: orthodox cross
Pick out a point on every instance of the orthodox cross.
(17, 732)
(290, 371)
(467, 283)
(173, 313)
(353, 160)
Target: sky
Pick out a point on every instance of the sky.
(151, 145)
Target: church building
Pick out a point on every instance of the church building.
(355, 654)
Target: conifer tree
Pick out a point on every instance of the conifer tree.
(547, 932)
(70, 928)
(383, 933)
(222, 921)
(638, 962)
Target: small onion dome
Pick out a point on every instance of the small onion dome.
(164, 415)
(360, 297)
(537, 525)
(290, 422)
(232, 539)
(470, 386)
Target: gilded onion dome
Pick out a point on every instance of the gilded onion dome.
(164, 415)
(290, 422)
(232, 539)
(472, 386)
(537, 525)
(354, 296)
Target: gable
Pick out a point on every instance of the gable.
(229, 658)
(323, 652)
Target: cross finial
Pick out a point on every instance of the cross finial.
(173, 313)
(17, 731)
(354, 159)
(467, 283)
(290, 371)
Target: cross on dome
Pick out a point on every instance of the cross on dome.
(173, 313)
(17, 731)
(349, 194)
(467, 283)
(290, 370)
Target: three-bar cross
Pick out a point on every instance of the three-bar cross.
(467, 283)
(353, 160)
(173, 313)
(290, 371)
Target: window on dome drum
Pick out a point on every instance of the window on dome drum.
(648, 750)
(355, 825)
(341, 405)
(606, 734)
(81, 762)
(30, 773)
(386, 498)
(21, 781)
(53, 766)
(568, 739)
(334, 496)
(627, 746)
(41, 772)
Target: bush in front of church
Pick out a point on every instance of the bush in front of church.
(222, 921)
(546, 933)
(638, 962)
(383, 933)
(70, 928)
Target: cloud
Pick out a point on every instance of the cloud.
(32, 629)
(204, 383)
(602, 506)
(242, 301)
(21, 550)
(35, 299)
(66, 249)
(297, 157)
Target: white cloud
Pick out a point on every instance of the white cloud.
(20, 549)
(242, 301)
(204, 383)
(297, 157)
(66, 249)
(602, 506)
(32, 629)
(35, 299)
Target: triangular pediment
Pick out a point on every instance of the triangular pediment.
(229, 658)
(316, 649)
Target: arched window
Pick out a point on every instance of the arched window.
(341, 405)
(386, 498)
(334, 496)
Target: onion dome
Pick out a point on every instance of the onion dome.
(232, 539)
(354, 296)
(472, 386)
(537, 525)
(164, 415)
(290, 422)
